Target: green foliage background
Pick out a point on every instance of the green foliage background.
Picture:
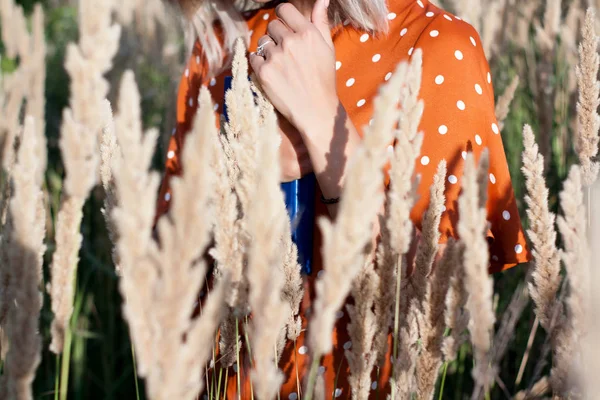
(101, 355)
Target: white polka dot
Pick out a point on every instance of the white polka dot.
(452, 179)
(364, 37)
(174, 131)
(410, 51)
(292, 396)
(374, 385)
(493, 179)
(171, 154)
(434, 33)
(361, 103)
(443, 208)
(376, 57)
(251, 32)
(464, 155)
(473, 42)
(430, 14)
(403, 32)
(518, 249)
(216, 107)
(495, 128)
(350, 82)
(347, 345)
(506, 215)
(443, 129)
(167, 196)
(187, 72)
(391, 16)
(338, 392)
(478, 89)
(461, 105)
(458, 54)
(266, 16)
(420, 3)
(213, 82)
(371, 121)
(458, 18)
(338, 65)
(388, 76)
(321, 370)
(439, 79)
(489, 76)
(447, 17)
(197, 59)
(339, 314)
(191, 102)
(303, 350)
(424, 160)
(478, 139)
(495, 258)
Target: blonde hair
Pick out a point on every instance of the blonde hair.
(367, 15)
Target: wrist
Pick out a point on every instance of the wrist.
(319, 118)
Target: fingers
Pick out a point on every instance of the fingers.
(278, 31)
(292, 17)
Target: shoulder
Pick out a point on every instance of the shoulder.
(449, 40)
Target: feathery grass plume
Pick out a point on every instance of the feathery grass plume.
(418, 283)
(432, 352)
(396, 226)
(591, 350)
(108, 151)
(361, 330)
(242, 133)
(546, 275)
(160, 286)
(293, 290)
(345, 242)
(80, 134)
(504, 101)
(134, 220)
(545, 88)
(586, 139)
(471, 229)
(17, 43)
(436, 283)
(573, 228)
(456, 315)
(25, 257)
(266, 220)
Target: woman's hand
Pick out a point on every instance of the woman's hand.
(294, 159)
(297, 71)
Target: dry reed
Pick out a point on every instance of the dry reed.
(24, 256)
(586, 139)
(472, 226)
(80, 135)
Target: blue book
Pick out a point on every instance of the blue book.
(300, 204)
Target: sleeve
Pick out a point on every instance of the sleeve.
(191, 80)
(459, 116)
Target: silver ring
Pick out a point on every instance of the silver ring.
(260, 50)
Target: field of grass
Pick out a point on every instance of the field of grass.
(535, 41)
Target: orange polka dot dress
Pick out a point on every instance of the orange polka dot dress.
(459, 115)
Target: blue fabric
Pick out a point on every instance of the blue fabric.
(300, 204)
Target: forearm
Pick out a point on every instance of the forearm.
(331, 139)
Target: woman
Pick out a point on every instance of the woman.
(322, 63)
